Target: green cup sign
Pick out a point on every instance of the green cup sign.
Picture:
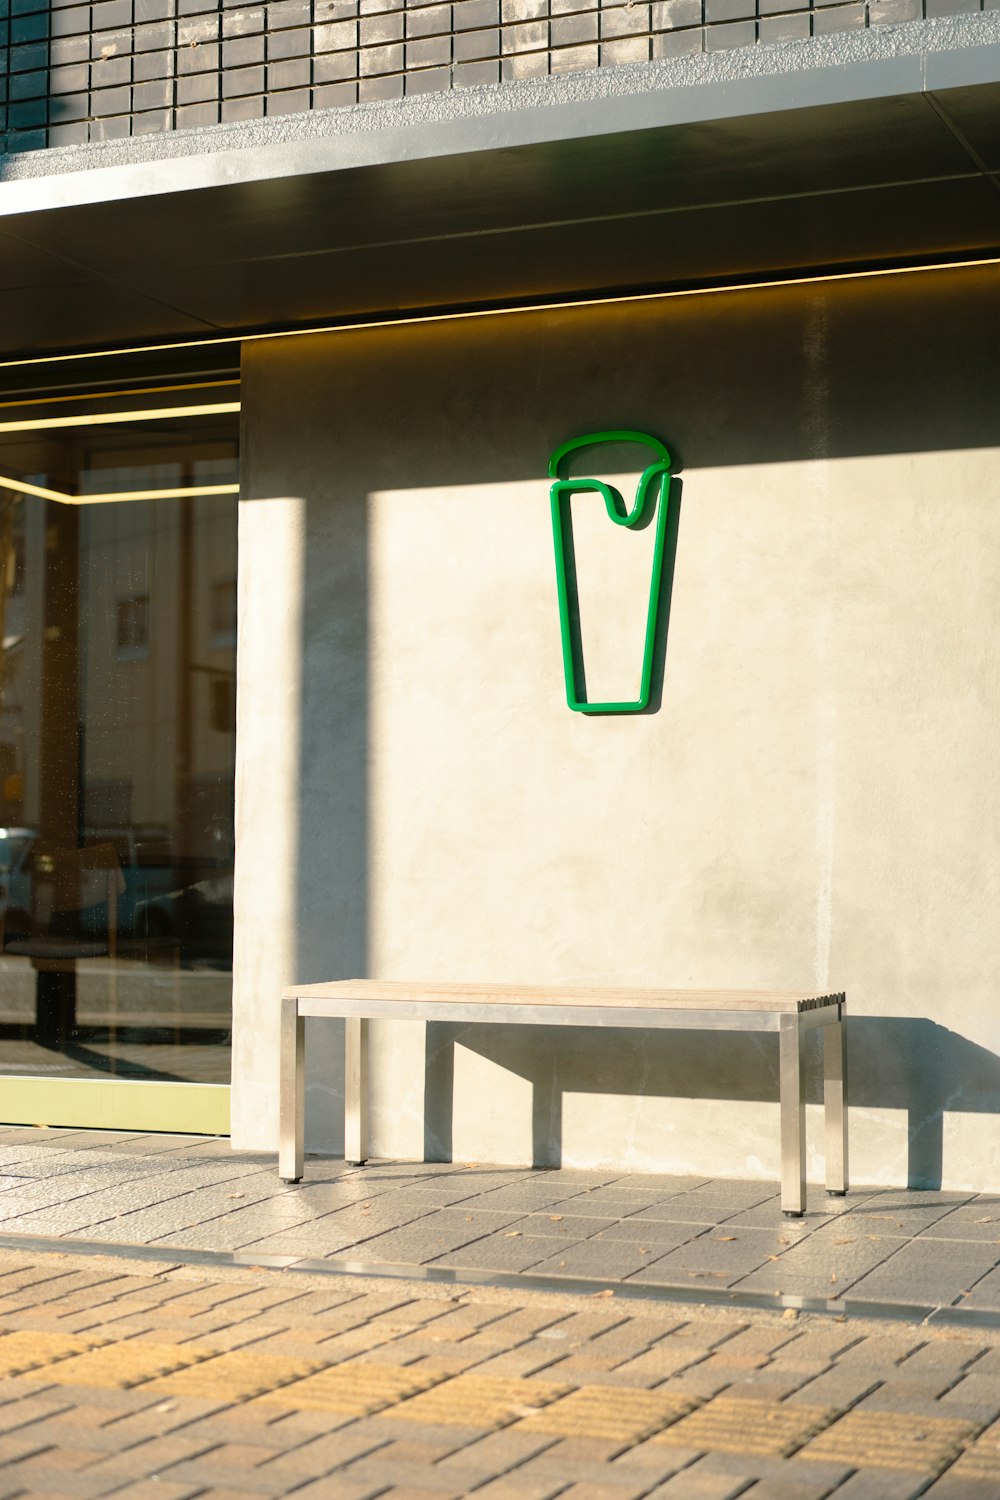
(653, 485)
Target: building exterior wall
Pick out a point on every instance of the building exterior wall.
(814, 800)
(74, 73)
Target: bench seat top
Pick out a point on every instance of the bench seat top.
(439, 995)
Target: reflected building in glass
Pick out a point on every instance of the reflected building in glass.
(117, 730)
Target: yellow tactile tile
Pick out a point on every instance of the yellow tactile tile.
(981, 1461)
(120, 1366)
(27, 1349)
(236, 1376)
(480, 1401)
(616, 1413)
(763, 1429)
(354, 1388)
(891, 1440)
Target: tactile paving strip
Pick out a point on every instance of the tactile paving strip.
(236, 1376)
(120, 1366)
(981, 1462)
(355, 1388)
(27, 1350)
(617, 1413)
(480, 1401)
(891, 1440)
(763, 1429)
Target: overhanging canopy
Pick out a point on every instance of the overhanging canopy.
(878, 147)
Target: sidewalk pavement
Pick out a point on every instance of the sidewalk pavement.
(912, 1251)
(186, 1376)
(193, 1383)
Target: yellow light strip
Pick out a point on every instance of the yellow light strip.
(174, 494)
(98, 418)
(33, 489)
(554, 305)
(23, 488)
(146, 390)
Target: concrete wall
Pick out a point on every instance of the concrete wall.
(813, 799)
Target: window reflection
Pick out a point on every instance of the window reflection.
(117, 708)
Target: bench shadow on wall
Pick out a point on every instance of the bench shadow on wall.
(894, 1062)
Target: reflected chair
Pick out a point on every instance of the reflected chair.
(74, 915)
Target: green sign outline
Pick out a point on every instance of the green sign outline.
(656, 475)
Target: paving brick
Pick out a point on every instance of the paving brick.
(234, 1376)
(119, 1366)
(891, 1440)
(519, 1487)
(877, 1484)
(621, 1416)
(323, 1453)
(149, 1457)
(160, 1488)
(955, 1486)
(479, 1401)
(347, 1489)
(595, 1490)
(24, 1350)
(700, 1483)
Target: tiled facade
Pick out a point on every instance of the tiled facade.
(75, 72)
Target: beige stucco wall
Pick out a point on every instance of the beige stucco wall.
(814, 800)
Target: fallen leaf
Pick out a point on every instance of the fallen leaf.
(556, 1218)
(724, 1238)
(235, 1195)
(790, 1314)
(833, 1275)
(643, 1250)
(840, 1318)
(843, 1242)
(512, 1234)
(608, 1291)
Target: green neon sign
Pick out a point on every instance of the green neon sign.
(653, 482)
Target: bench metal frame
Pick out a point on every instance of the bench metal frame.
(791, 1014)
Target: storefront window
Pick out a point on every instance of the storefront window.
(117, 708)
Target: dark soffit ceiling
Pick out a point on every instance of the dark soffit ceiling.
(869, 181)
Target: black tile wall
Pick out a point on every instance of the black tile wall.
(73, 72)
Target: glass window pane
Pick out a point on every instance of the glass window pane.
(117, 731)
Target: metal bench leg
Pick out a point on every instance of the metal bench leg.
(835, 1106)
(793, 1119)
(355, 1091)
(291, 1093)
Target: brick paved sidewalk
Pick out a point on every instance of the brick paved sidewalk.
(911, 1250)
(178, 1382)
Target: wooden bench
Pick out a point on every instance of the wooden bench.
(790, 1013)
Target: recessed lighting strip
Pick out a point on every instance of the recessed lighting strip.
(555, 304)
(148, 390)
